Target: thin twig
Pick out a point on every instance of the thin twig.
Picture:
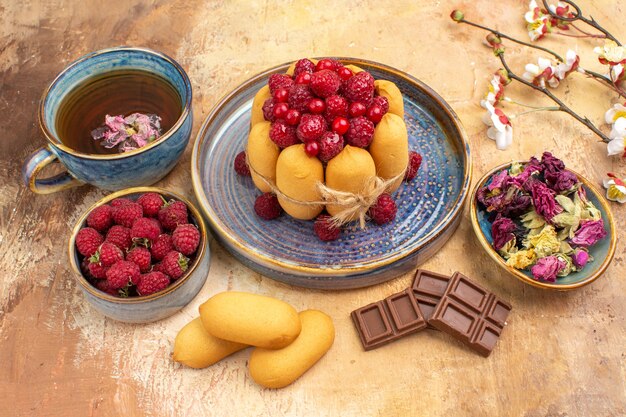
(571, 35)
(562, 106)
(609, 83)
(579, 16)
(586, 33)
(505, 36)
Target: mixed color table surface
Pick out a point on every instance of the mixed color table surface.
(561, 354)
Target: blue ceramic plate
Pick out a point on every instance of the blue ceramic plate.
(287, 249)
(602, 251)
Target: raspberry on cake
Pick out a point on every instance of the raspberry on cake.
(326, 122)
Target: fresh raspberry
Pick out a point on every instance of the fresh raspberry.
(283, 135)
(120, 202)
(325, 83)
(186, 239)
(384, 210)
(97, 270)
(277, 81)
(361, 132)
(241, 167)
(158, 267)
(107, 254)
(173, 214)
(299, 97)
(88, 240)
(104, 286)
(145, 228)
(325, 229)
(151, 203)
(161, 246)
(152, 282)
(268, 110)
(84, 267)
(382, 102)
(330, 145)
(126, 214)
(119, 236)
(175, 264)
(336, 106)
(360, 87)
(267, 207)
(311, 127)
(122, 273)
(303, 65)
(415, 161)
(140, 256)
(100, 218)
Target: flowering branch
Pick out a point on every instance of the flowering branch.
(561, 106)
(604, 79)
(461, 19)
(573, 17)
(495, 41)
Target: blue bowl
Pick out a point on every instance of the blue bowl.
(143, 166)
(286, 249)
(602, 251)
(157, 306)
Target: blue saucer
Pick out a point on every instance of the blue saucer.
(286, 249)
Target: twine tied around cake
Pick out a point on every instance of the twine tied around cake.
(353, 205)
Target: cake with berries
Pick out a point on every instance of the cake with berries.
(323, 122)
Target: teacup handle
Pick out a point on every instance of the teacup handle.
(35, 163)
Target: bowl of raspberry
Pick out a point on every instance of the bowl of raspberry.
(140, 254)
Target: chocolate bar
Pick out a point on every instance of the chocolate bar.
(390, 319)
(428, 288)
(471, 314)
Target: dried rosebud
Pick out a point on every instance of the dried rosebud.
(498, 181)
(580, 257)
(457, 15)
(517, 206)
(533, 167)
(543, 200)
(563, 181)
(552, 166)
(546, 269)
(502, 232)
(589, 233)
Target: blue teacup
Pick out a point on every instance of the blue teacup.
(142, 166)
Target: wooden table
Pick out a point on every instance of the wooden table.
(562, 354)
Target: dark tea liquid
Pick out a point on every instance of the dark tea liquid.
(119, 92)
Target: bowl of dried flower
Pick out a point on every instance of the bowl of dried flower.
(543, 223)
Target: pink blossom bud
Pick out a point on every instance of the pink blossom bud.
(504, 76)
(494, 40)
(457, 15)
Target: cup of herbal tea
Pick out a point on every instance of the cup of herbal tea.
(115, 118)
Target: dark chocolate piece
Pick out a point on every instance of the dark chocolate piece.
(390, 319)
(428, 288)
(471, 314)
